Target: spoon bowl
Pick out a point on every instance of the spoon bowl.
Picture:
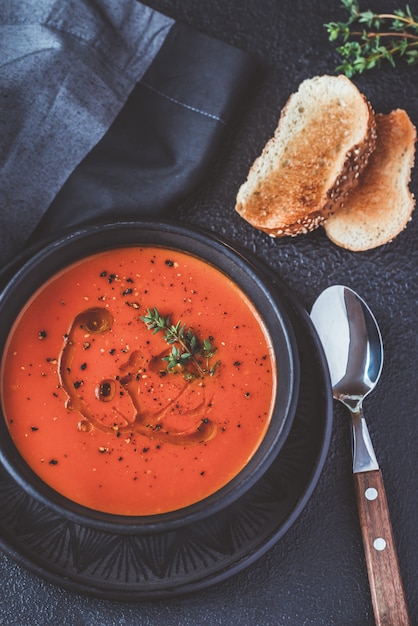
(352, 342)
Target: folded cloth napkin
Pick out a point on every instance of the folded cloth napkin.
(107, 110)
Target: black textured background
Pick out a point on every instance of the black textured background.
(316, 573)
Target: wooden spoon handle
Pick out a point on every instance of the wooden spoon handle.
(388, 596)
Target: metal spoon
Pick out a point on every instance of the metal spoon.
(353, 348)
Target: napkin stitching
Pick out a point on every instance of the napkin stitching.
(183, 104)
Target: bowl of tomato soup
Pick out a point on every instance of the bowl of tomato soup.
(149, 375)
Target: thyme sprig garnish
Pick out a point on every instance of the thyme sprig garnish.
(384, 37)
(186, 349)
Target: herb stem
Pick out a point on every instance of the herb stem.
(400, 18)
(386, 34)
(186, 348)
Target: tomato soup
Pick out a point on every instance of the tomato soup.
(138, 381)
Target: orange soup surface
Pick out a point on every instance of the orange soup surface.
(125, 417)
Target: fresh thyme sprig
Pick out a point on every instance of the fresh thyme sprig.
(385, 36)
(185, 346)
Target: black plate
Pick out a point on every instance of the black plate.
(160, 565)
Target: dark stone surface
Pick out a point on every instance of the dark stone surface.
(316, 574)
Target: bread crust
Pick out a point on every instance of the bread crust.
(325, 135)
(381, 205)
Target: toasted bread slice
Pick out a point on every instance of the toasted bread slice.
(323, 140)
(381, 205)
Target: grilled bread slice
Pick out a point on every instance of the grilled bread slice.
(323, 140)
(381, 205)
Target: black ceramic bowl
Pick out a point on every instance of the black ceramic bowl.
(71, 247)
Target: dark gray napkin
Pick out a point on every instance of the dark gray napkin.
(108, 110)
(66, 70)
